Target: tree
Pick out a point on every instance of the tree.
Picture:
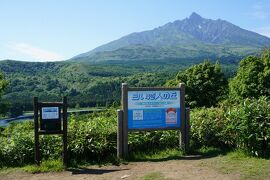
(205, 84)
(253, 77)
(16, 110)
(3, 83)
(3, 86)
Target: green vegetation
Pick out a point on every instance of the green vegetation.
(253, 77)
(3, 83)
(154, 176)
(237, 162)
(84, 84)
(244, 126)
(203, 79)
(91, 138)
(45, 166)
(226, 119)
(156, 155)
(3, 86)
(187, 52)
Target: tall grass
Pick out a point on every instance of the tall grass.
(93, 137)
(90, 138)
(243, 126)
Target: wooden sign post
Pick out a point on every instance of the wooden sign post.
(151, 109)
(50, 118)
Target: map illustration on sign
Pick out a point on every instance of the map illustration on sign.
(50, 112)
(153, 109)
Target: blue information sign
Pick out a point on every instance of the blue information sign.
(157, 109)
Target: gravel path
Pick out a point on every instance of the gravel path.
(173, 169)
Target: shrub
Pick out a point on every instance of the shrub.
(206, 127)
(252, 78)
(17, 144)
(153, 140)
(93, 136)
(90, 138)
(248, 126)
(205, 84)
(245, 125)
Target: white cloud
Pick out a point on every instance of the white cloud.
(35, 52)
(264, 31)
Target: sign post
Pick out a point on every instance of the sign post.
(50, 118)
(150, 109)
(183, 127)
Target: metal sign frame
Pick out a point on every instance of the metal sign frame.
(123, 130)
(41, 130)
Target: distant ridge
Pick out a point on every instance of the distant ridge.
(191, 37)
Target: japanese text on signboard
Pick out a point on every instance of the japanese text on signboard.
(153, 109)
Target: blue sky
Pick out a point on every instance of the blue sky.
(50, 30)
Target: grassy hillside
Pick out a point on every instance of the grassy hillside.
(167, 53)
(85, 84)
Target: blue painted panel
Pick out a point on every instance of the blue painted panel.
(152, 118)
(154, 109)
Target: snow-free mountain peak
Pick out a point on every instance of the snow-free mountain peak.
(190, 37)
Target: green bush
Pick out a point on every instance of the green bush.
(248, 126)
(245, 125)
(93, 137)
(154, 140)
(206, 127)
(205, 84)
(17, 144)
(252, 78)
(90, 138)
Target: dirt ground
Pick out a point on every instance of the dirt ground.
(187, 168)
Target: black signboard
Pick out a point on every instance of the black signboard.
(50, 118)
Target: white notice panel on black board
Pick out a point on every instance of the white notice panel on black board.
(50, 112)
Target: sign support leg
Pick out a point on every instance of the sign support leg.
(187, 113)
(37, 152)
(182, 117)
(65, 158)
(125, 116)
(119, 133)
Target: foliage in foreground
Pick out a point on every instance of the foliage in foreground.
(245, 126)
(90, 138)
(253, 77)
(205, 84)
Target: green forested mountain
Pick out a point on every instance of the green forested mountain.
(84, 84)
(193, 37)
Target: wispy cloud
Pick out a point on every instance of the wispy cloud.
(35, 52)
(259, 11)
(264, 31)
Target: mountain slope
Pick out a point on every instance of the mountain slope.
(219, 32)
(191, 37)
